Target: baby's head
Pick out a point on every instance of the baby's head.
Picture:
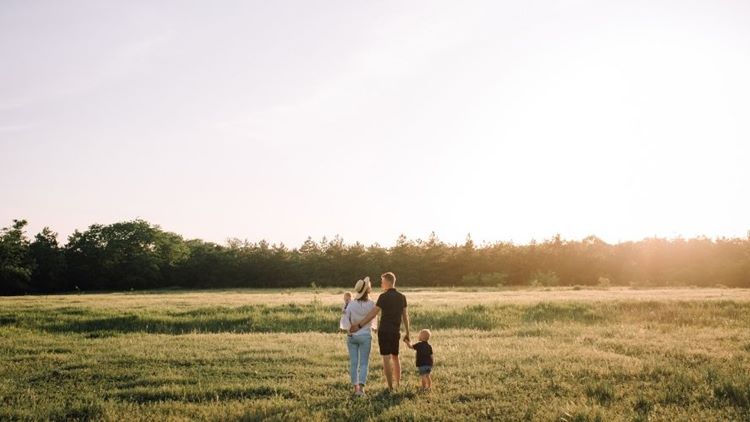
(347, 297)
(424, 335)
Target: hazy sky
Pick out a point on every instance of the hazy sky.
(279, 120)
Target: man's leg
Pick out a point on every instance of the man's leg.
(396, 369)
(388, 371)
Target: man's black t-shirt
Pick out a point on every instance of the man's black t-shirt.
(391, 304)
(424, 353)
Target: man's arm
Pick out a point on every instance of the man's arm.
(405, 318)
(356, 327)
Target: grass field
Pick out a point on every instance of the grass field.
(554, 354)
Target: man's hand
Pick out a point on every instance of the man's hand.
(406, 338)
(363, 322)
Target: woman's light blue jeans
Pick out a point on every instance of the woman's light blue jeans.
(359, 357)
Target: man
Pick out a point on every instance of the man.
(393, 306)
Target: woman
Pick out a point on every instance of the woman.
(359, 342)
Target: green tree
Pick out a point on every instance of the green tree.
(126, 255)
(49, 272)
(16, 264)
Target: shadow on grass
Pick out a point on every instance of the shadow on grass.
(370, 406)
(148, 395)
(354, 408)
(248, 319)
(290, 318)
(316, 317)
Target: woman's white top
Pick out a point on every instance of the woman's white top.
(355, 312)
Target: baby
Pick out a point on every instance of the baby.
(424, 358)
(347, 299)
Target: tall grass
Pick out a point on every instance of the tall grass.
(316, 317)
(548, 360)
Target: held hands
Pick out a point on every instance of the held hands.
(406, 341)
(354, 328)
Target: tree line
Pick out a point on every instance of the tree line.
(133, 255)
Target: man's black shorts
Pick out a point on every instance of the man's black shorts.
(388, 342)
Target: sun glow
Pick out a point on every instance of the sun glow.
(506, 121)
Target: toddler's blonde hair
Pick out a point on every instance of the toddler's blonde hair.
(426, 332)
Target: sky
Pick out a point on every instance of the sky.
(506, 120)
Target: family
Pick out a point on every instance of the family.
(359, 321)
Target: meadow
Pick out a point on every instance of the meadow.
(555, 354)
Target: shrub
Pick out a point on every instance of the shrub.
(603, 393)
(484, 279)
(734, 393)
(544, 278)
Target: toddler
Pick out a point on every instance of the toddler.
(424, 358)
